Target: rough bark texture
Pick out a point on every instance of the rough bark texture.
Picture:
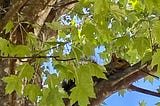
(3, 97)
(33, 11)
(119, 81)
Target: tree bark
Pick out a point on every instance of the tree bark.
(36, 12)
(119, 81)
(3, 97)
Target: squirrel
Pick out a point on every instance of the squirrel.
(116, 65)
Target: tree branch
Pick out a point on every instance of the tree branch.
(34, 57)
(118, 81)
(145, 91)
(12, 11)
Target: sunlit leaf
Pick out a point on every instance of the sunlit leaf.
(13, 84)
(66, 71)
(156, 31)
(6, 48)
(88, 49)
(84, 85)
(52, 97)
(121, 41)
(149, 5)
(122, 92)
(31, 40)
(157, 104)
(147, 56)
(22, 51)
(141, 44)
(96, 70)
(117, 12)
(143, 103)
(89, 31)
(52, 80)
(76, 52)
(100, 6)
(25, 71)
(155, 58)
(149, 78)
(9, 26)
(32, 91)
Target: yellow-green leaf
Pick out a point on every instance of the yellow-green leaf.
(9, 26)
(13, 84)
(143, 103)
(25, 71)
(32, 91)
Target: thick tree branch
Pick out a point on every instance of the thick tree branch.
(119, 81)
(11, 13)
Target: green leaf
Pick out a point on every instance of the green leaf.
(141, 44)
(117, 12)
(9, 26)
(96, 70)
(155, 58)
(147, 56)
(74, 33)
(100, 6)
(25, 71)
(143, 103)
(88, 49)
(6, 48)
(52, 97)
(149, 78)
(156, 3)
(32, 91)
(61, 34)
(13, 84)
(122, 92)
(132, 17)
(65, 71)
(88, 30)
(156, 31)
(121, 41)
(31, 40)
(149, 5)
(52, 80)
(22, 50)
(76, 52)
(55, 98)
(84, 87)
(157, 104)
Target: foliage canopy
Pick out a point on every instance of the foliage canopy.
(129, 28)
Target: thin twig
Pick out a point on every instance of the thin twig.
(34, 57)
(65, 59)
(27, 57)
(150, 74)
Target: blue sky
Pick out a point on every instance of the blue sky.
(133, 98)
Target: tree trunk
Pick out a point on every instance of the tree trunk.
(36, 12)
